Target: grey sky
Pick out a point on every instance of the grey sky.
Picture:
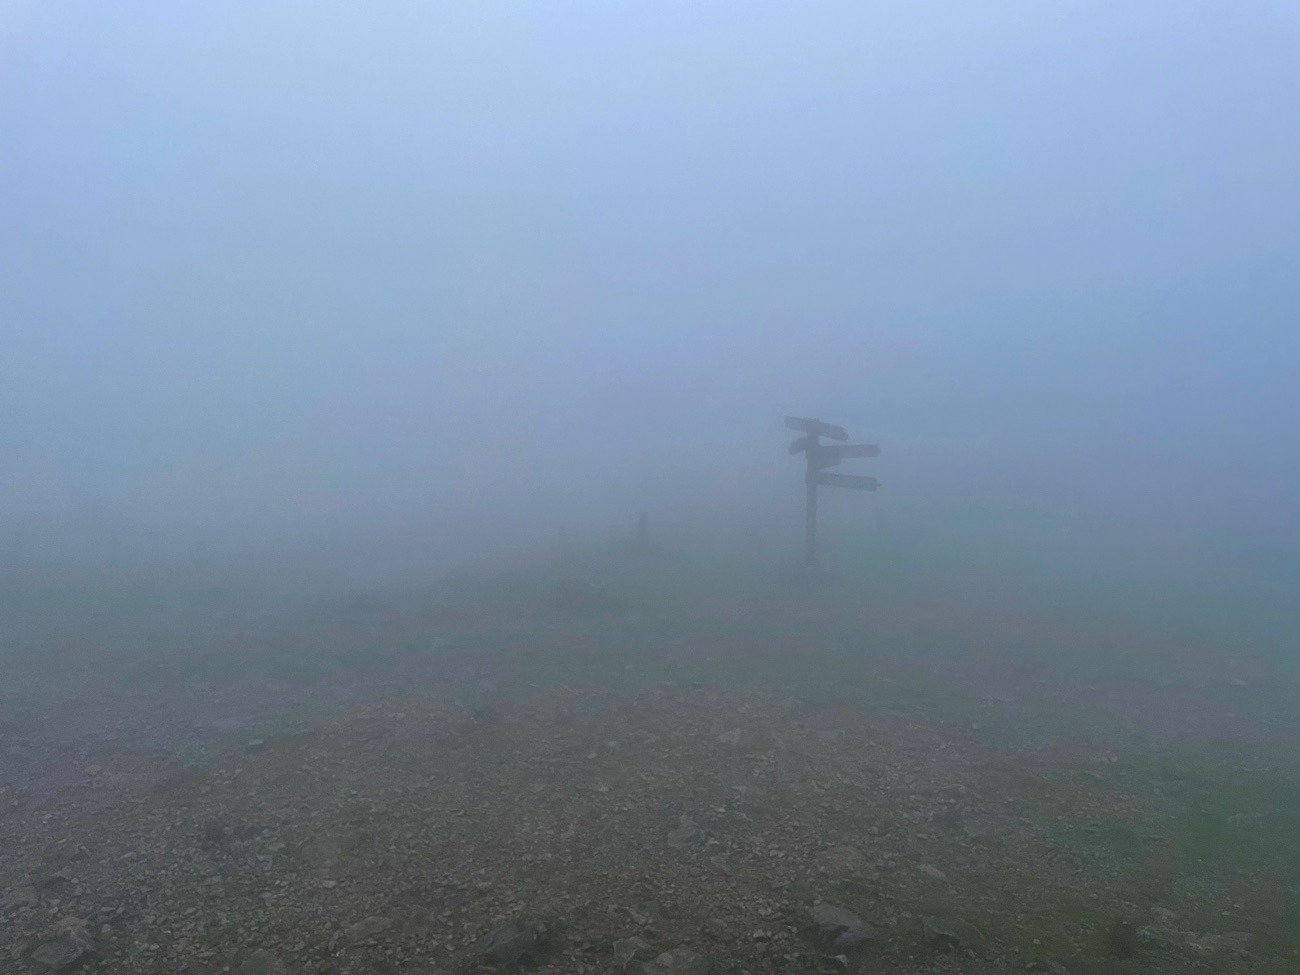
(273, 262)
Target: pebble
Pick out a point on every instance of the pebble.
(260, 962)
(508, 944)
(366, 930)
(679, 961)
(629, 949)
(937, 929)
(685, 833)
(839, 927)
(66, 952)
(21, 897)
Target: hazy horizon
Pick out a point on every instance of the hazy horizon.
(269, 270)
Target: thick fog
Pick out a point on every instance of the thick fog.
(273, 271)
(406, 566)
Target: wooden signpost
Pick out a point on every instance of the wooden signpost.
(820, 456)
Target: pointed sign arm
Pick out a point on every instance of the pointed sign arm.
(847, 481)
(816, 428)
(830, 455)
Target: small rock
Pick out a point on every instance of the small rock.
(731, 737)
(628, 950)
(366, 930)
(510, 943)
(20, 897)
(70, 950)
(679, 961)
(940, 931)
(644, 914)
(1163, 914)
(979, 829)
(843, 860)
(260, 962)
(1121, 940)
(255, 745)
(1149, 938)
(685, 833)
(934, 872)
(840, 928)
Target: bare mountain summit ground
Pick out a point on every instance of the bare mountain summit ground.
(497, 781)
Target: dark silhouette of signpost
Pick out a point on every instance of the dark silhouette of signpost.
(819, 456)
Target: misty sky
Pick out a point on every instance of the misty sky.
(265, 262)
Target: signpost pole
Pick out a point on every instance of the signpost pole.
(810, 506)
(817, 458)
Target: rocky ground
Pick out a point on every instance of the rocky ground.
(407, 789)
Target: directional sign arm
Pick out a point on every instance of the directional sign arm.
(847, 481)
(800, 424)
(816, 428)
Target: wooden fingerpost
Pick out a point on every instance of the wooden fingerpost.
(819, 457)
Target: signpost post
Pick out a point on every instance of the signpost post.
(818, 457)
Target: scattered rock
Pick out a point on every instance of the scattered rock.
(71, 949)
(260, 962)
(979, 829)
(1149, 938)
(1121, 940)
(644, 914)
(366, 930)
(509, 944)
(939, 931)
(679, 961)
(19, 898)
(840, 928)
(57, 878)
(685, 834)
(631, 949)
(843, 860)
(1048, 965)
